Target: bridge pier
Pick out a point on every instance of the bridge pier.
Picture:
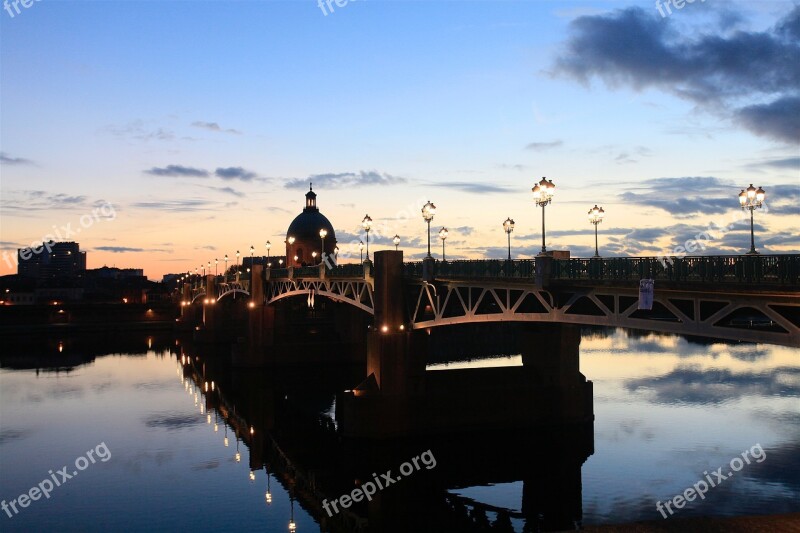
(400, 397)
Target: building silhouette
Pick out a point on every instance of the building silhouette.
(303, 236)
(51, 260)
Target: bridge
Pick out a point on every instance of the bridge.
(741, 298)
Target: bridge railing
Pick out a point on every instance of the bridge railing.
(350, 270)
(780, 269)
(306, 272)
(774, 269)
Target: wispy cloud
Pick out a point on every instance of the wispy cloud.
(213, 126)
(178, 171)
(542, 146)
(346, 179)
(126, 249)
(465, 186)
(6, 159)
(141, 130)
(27, 200)
(181, 206)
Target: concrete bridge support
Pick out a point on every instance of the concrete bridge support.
(399, 397)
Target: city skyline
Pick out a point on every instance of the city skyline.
(163, 150)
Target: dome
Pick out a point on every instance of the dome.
(303, 238)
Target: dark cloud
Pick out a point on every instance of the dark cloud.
(235, 173)
(542, 146)
(6, 159)
(213, 126)
(227, 190)
(346, 179)
(684, 197)
(466, 186)
(178, 171)
(716, 71)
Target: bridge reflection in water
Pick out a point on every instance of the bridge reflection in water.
(284, 420)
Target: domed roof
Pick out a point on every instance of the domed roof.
(302, 237)
(307, 224)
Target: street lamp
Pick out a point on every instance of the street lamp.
(752, 198)
(361, 250)
(237, 265)
(596, 215)
(322, 234)
(367, 225)
(543, 195)
(396, 241)
(443, 236)
(216, 268)
(335, 254)
(428, 210)
(313, 257)
(252, 249)
(290, 240)
(226, 268)
(508, 226)
(269, 245)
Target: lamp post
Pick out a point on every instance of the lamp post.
(226, 268)
(396, 241)
(216, 268)
(314, 257)
(252, 249)
(508, 227)
(269, 245)
(237, 266)
(752, 199)
(596, 215)
(335, 254)
(428, 210)
(367, 225)
(322, 234)
(361, 250)
(443, 236)
(543, 195)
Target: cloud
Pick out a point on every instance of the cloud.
(6, 159)
(26, 200)
(716, 71)
(346, 179)
(180, 206)
(542, 146)
(140, 130)
(465, 186)
(235, 173)
(227, 190)
(178, 171)
(685, 197)
(118, 249)
(791, 163)
(213, 126)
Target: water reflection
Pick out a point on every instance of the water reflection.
(197, 444)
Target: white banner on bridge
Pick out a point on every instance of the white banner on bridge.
(646, 287)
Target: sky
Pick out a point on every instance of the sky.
(164, 134)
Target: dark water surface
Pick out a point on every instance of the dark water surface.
(667, 410)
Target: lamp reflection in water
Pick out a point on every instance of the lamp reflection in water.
(252, 476)
(292, 525)
(216, 420)
(226, 436)
(238, 456)
(268, 495)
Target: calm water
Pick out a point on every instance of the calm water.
(666, 411)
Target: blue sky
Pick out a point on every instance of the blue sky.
(202, 122)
